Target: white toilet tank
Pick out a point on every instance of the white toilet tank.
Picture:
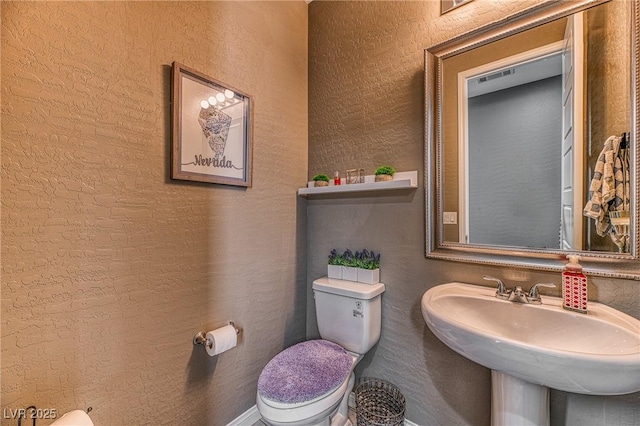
(349, 313)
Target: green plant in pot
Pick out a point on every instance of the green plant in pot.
(368, 264)
(334, 267)
(321, 180)
(349, 266)
(384, 173)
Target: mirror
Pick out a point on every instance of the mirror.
(518, 114)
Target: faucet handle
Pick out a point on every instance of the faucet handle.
(534, 293)
(501, 292)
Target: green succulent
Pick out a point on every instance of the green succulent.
(385, 170)
(321, 177)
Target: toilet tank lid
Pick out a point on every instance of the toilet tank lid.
(348, 288)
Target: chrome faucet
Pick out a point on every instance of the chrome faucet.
(534, 293)
(518, 295)
(502, 292)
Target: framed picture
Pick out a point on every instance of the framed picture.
(447, 5)
(211, 124)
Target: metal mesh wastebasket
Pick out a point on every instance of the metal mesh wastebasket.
(379, 403)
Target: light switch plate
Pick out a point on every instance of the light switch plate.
(450, 218)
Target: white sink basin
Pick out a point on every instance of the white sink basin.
(595, 353)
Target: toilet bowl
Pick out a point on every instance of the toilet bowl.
(309, 383)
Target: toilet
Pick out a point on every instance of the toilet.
(309, 383)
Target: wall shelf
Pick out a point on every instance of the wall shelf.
(401, 181)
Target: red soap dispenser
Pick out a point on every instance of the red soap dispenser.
(574, 286)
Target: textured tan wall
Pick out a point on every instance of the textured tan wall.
(108, 266)
(607, 105)
(366, 108)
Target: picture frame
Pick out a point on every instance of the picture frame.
(211, 130)
(447, 5)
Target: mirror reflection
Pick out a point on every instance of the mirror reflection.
(535, 146)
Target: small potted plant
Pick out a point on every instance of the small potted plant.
(368, 266)
(321, 180)
(349, 266)
(385, 173)
(334, 268)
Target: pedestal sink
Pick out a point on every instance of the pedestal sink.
(531, 348)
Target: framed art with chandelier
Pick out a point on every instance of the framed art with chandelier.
(211, 130)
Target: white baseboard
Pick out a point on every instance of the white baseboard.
(248, 418)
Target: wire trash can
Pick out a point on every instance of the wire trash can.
(379, 403)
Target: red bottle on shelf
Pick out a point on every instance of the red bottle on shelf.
(336, 178)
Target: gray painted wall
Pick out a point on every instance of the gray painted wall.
(515, 156)
(366, 108)
(441, 387)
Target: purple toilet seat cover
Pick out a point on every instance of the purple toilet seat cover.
(304, 372)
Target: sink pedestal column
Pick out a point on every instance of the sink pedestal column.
(516, 402)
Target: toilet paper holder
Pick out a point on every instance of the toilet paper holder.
(201, 336)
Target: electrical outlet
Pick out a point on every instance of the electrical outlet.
(450, 218)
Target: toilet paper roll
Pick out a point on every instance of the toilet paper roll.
(221, 339)
(73, 418)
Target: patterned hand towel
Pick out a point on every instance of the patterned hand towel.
(609, 187)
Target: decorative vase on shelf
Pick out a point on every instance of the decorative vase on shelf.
(383, 178)
(369, 276)
(349, 273)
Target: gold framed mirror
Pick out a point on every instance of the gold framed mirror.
(509, 193)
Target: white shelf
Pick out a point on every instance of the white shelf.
(401, 180)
